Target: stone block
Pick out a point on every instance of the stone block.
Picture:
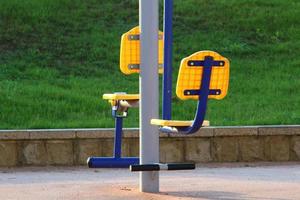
(51, 134)
(171, 150)
(131, 133)
(60, 152)
(251, 149)
(87, 148)
(14, 135)
(95, 133)
(107, 147)
(125, 147)
(203, 132)
(225, 149)
(236, 131)
(295, 148)
(277, 148)
(197, 150)
(279, 130)
(8, 154)
(134, 147)
(33, 153)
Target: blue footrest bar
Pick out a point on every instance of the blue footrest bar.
(160, 166)
(111, 162)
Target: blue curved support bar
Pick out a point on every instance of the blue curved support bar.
(203, 93)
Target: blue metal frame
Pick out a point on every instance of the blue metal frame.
(116, 161)
(167, 76)
(198, 92)
(203, 93)
(118, 137)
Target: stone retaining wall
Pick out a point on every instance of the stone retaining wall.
(212, 144)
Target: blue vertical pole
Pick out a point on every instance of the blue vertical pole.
(167, 77)
(118, 137)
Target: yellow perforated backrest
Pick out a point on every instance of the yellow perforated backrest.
(189, 77)
(130, 51)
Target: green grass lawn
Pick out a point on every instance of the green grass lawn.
(57, 58)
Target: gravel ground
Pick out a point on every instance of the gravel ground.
(216, 181)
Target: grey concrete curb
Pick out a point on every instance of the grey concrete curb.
(36, 134)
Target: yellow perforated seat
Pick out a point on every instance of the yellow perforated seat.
(130, 51)
(130, 61)
(121, 96)
(113, 99)
(189, 76)
(189, 84)
(175, 123)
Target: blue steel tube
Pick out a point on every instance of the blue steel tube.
(116, 161)
(118, 137)
(167, 77)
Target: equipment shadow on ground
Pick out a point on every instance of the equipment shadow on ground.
(215, 195)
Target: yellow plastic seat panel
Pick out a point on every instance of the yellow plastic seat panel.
(130, 51)
(175, 123)
(121, 96)
(189, 77)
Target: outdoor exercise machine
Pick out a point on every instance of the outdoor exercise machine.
(121, 102)
(203, 75)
